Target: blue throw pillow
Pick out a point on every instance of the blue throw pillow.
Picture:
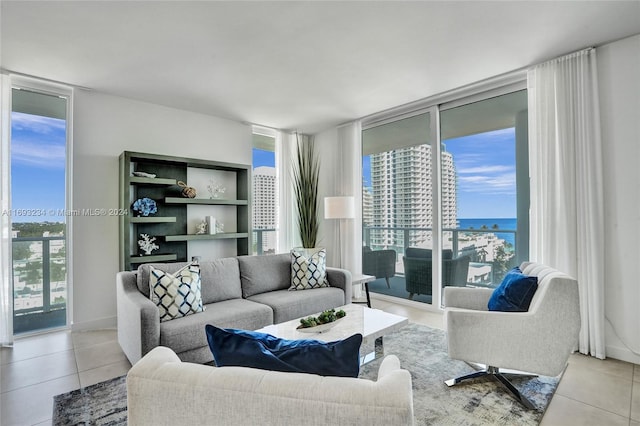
(515, 292)
(243, 348)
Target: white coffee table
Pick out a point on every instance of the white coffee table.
(373, 324)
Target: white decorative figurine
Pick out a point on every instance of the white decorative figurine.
(215, 189)
(147, 244)
(201, 228)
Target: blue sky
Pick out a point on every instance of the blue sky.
(485, 168)
(38, 153)
(263, 158)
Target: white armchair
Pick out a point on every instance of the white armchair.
(538, 341)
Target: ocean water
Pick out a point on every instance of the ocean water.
(507, 224)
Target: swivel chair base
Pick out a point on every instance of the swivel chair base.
(496, 374)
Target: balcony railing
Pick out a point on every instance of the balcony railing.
(37, 303)
(486, 268)
(265, 241)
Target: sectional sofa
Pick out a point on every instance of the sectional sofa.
(246, 292)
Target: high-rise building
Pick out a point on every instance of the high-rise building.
(402, 197)
(367, 207)
(265, 206)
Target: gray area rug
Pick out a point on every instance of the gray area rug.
(422, 351)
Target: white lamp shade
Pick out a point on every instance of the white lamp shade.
(339, 208)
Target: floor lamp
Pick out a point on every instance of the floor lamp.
(339, 208)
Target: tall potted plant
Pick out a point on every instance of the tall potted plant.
(306, 176)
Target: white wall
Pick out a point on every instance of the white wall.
(619, 87)
(104, 127)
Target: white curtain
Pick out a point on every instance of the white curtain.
(567, 224)
(6, 295)
(349, 182)
(285, 154)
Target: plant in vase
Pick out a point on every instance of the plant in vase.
(306, 176)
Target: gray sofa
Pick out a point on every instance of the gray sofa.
(246, 292)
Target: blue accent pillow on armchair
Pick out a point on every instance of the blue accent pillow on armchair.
(515, 292)
(242, 348)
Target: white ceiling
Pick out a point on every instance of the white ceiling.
(295, 65)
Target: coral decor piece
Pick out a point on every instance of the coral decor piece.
(145, 206)
(147, 244)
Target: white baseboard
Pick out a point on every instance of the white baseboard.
(400, 301)
(98, 324)
(622, 354)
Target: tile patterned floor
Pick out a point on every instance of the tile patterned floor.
(592, 392)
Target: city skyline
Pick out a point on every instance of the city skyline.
(485, 169)
(484, 165)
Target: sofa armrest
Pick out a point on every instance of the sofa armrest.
(341, 278)
(467, 298)
(138, 318)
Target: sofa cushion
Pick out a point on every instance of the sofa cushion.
(308, 269)
(220, 278)
(515, 292)
(260, 274)
(241, 348)
(176, 295)
(288, 305)
(187, 333)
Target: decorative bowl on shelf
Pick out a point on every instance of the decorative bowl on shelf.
(145, 206)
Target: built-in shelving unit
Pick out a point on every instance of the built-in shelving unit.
(174, 224)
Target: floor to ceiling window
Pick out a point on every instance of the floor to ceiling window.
(265, 193)
(39, 134)
(485, 148)
(397, 201)
(452, 177)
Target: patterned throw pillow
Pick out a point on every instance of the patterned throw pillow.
(176, 295)
(308, 269)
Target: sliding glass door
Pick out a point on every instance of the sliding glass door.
(398, 206)
(38, 201)
(445, 196)
(484, 145)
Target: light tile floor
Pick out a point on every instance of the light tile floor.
(591, 392)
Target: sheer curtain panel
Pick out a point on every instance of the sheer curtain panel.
(567, 223)
(285, 154)
(6, 297)
(349, 182)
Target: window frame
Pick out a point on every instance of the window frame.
(434, 105)
(55, 89)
